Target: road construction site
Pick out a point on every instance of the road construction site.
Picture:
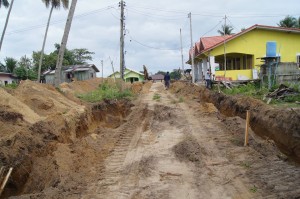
(186, 142)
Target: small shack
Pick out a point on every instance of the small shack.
(7, 78)
(157, 77)
(71, 73)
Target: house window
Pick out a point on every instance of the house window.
(249, 62)
(245, 62)
(228, 65)
(298, 60)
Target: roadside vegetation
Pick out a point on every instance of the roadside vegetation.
(256, 91)
(106, 91)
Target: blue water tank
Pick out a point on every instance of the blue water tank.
(271, 49)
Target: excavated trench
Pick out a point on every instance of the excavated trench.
(44, 154)
(280, 125)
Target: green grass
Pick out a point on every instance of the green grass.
(156, 96)
(253, 189)
(254, 90)
(106, 91)
(11, 86)
(246, 165)
(181, 100)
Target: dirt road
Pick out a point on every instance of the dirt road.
(160, 146)
(173, 149)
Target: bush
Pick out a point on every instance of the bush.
(106, 91)
(12, 85)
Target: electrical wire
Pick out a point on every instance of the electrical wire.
(152, 47)
(152, 15)
(212, 28)
(59, 21)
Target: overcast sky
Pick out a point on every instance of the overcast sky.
(152, 27)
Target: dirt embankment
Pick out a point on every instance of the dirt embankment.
(280, 125)
(43, 137)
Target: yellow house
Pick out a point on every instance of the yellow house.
(242, 52)
(129, 75)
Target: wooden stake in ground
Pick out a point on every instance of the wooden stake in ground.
(5, 180)
(247, 128)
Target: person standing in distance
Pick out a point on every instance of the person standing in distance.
(167, 79)
(208, 79)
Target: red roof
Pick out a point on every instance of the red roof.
(209, 42)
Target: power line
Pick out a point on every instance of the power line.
(152, 47)
(59, 21)
(212, 28)
(209, 14)
(152, 15)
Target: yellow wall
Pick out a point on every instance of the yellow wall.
(254, 43)
(235, 73)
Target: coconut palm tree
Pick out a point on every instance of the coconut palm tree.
(4, 2)
(226, 30)
(288, 22)
(54, 4)
(64, 43)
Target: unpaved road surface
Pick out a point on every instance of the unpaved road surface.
(172, 148)
(159, 146)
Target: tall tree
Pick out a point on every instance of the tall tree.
(10, 64)
(82, 55)
(226, 30)
(64, 43)
(54, 4)
(6, 22)
(4, 3)
(288, 22)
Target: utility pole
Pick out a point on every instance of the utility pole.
(225, 67)
(102, 70)
(181, 51)
(192, 49)
(122, 26)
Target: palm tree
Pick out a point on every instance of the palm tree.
(54, 4)
(226, 30)
(64, 43)
(4, 2)
(288, 22)
(10, 64)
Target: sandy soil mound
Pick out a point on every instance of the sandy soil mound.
(39, 129)
(82, 86)
(12, 104)
(188, 150)
(141, 87)
(280, 125)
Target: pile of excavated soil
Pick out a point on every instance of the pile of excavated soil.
(280, 125)
(188, 150)
(48, 139)
(141, 87)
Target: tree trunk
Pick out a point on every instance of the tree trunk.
(64, 44)
(43, 47)
(6, 22)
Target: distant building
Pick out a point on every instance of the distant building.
(157, 77)
(7, 78)
(74, 72)
(129, 75)
(242, 51)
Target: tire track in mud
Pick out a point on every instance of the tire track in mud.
(111, 173)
